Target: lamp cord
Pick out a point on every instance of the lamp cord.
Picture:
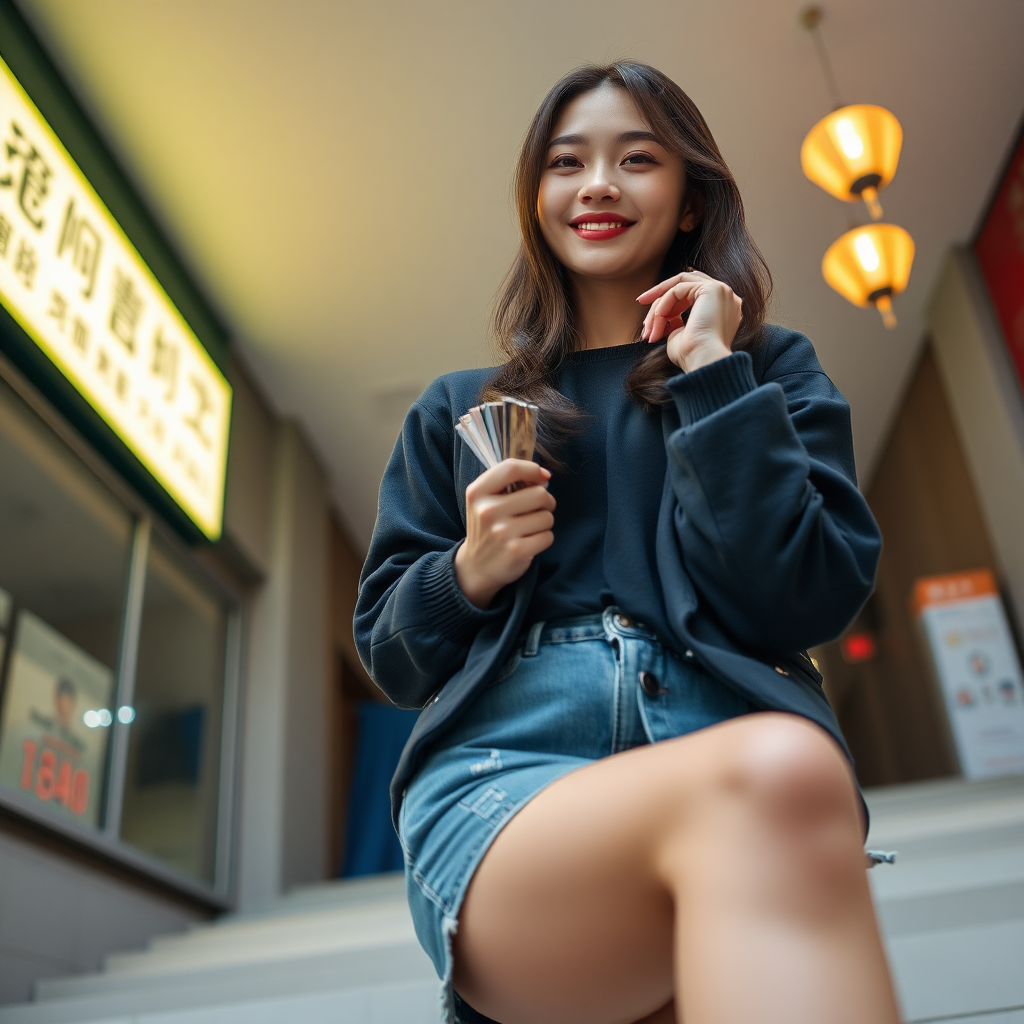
(811, 19)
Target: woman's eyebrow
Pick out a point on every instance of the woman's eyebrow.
(569, 140)
(638, 135)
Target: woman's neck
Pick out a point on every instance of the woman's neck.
(607, 311)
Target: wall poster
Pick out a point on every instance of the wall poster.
(55, 721)
(968, 638)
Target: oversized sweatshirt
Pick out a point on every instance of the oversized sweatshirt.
(735, 530)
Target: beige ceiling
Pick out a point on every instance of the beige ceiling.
(336, 173)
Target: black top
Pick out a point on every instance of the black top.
(605, 501)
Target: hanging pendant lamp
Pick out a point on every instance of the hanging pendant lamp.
(869, 265)
(853, 152)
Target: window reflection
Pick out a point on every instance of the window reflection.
(170, 799)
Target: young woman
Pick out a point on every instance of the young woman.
(626, 797)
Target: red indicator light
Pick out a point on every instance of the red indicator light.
(857, 648)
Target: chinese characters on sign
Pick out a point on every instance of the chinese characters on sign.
(75, 283)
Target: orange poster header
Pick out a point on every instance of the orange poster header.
(957, 586)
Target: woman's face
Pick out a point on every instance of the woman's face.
(611, 197)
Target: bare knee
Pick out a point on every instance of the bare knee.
(789, 771)
(773, 787)
(772, 782)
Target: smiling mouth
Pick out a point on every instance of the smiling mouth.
(596, 230)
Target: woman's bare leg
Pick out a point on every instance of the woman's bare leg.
(724, 868)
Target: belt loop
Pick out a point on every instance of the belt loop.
(532, 644)
(608, 621)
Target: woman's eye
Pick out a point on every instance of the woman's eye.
(639, 158)
(566, 160)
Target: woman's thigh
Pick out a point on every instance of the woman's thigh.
(570, 916)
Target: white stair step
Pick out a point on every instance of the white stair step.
(285, 938)
(343, 892)
(962, 971)
(933, 876)
(952, 906)
(98, 997)
(407, 1002)
(922, 800)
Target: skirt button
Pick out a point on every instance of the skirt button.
(649, 684)
(624, 621)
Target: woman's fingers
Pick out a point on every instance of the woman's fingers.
(504, 529)
(677, 298)
(510, 471)
(668, 300)
(529, 547)
(669, 307)
(673, 325)
(496, 508)
(527, 525)
(647, 297)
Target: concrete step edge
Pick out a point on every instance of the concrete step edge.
(267, 952)
(96, 995)
(353, 917)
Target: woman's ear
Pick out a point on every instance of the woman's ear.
(693, 209)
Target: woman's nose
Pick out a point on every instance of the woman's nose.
(597, 189)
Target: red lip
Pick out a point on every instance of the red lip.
(617, 225)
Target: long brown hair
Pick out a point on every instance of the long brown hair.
(534, 317)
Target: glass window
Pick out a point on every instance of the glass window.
(171, 787)
(65, 545)
(66, 609)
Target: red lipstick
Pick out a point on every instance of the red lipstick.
(596, 227)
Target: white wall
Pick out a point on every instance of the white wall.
(60, 916)
(281, 836)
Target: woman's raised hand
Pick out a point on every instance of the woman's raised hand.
(715, 315)
(504, 532)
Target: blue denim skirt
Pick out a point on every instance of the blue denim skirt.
(575, 691)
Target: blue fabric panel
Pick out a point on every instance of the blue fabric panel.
(371, 845)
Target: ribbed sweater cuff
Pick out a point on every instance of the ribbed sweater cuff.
(454, 615)
(704, 391)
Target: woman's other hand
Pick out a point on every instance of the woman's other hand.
(715, 315)
(504, 532)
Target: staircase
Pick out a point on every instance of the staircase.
(951, 908)
(338, 953)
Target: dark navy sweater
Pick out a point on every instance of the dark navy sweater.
(606, 498)
(762, 544)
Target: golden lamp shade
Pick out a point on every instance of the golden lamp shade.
(869, 265)
(853, 153)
